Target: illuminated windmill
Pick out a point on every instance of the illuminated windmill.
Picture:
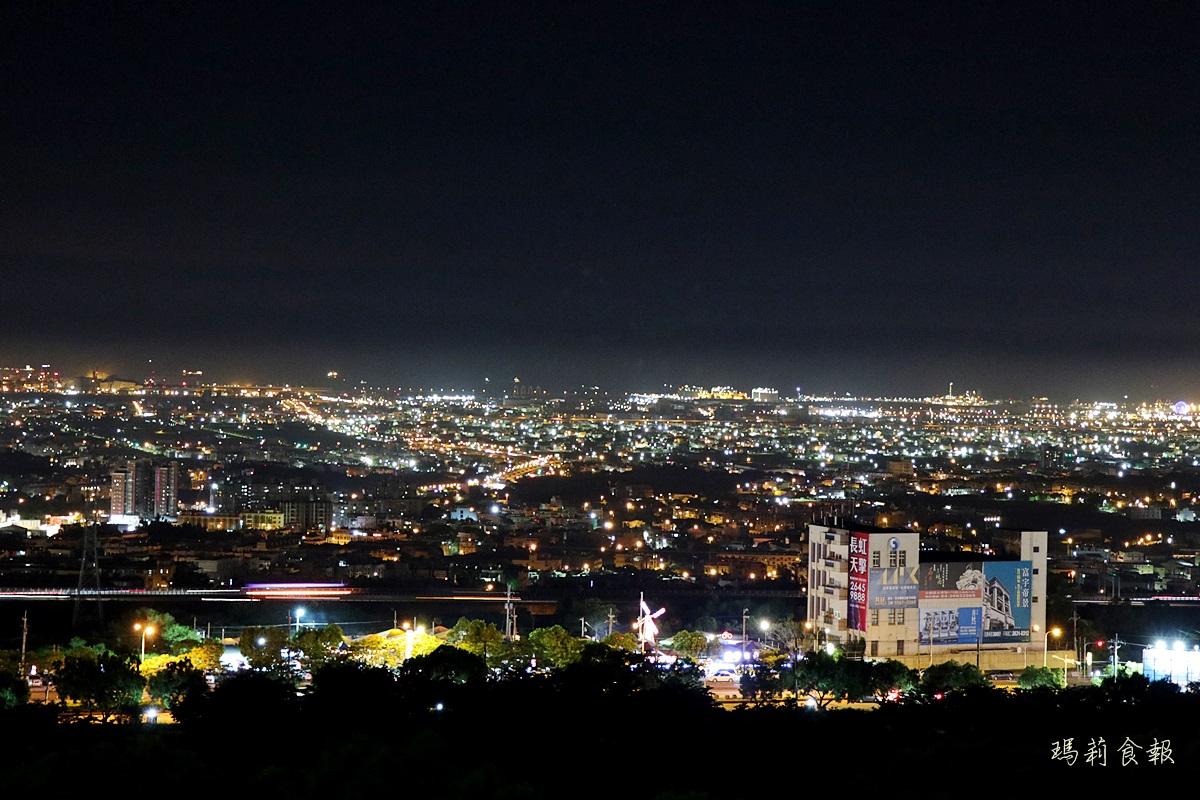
(646, 628)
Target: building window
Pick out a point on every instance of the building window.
(892, 558)
(1035, 599)
(1035, 570)
(899, 647)
(1037, 549)
(875, 558)
(903, 557)
(874, 647)
(891, 616)
(874, 616)
(899, 616)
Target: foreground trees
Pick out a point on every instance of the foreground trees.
(820, 679)
(103, 683)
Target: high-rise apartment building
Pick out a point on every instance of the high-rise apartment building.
(140, 490)
(166, 490)
(123, 490)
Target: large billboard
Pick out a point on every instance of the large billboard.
(1007, 601)
(950, 625)
(959, 599)
(858, 582)
(953, 580)
(894, 587)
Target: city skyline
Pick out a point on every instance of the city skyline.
(868, 200)
(43, 376)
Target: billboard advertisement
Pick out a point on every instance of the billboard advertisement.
(950, 625)
(961, 600)
(953, 580)
(894, 587)
(857, 610)
(1007, 601)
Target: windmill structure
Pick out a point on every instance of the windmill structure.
(646, 627)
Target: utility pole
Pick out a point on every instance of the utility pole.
(610, 620)
(509, 615)
(929, 621)
(978, 636)
(582, 628)
(745, 613)
(1116, 658)
(1075, 634)
(24, 633)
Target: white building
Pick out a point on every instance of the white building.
(873, 588)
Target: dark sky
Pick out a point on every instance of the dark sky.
(860, 197)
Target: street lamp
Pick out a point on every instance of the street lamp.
(146, 630)
(1056, 632)
(745, 613)
(299, 614)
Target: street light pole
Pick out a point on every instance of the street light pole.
(745, 613)
(1046, 643)
(145, 629)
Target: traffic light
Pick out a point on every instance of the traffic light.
(1099, 643)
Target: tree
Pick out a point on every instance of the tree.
(172, 685)
(1041, 677)
(106, 683)
(827, 678)
(621, 640)
(788, 636)
(207, 655)
(246, 701)
(14, 689)
(264, 649)
(453, 665)
(890, 675)
(316, 647)
(951, 676)
(478, 637)
(689, 644)
(760, 682)
(554, 647)
(389, 650)
(178, 638)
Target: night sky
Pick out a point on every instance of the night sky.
(874, 198)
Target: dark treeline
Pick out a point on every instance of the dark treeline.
(442, 726)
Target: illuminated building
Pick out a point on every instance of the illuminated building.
(139, 490)
(123, 495)
(166, 490)
(307, 515)
(873, 591)
(1176, 664)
